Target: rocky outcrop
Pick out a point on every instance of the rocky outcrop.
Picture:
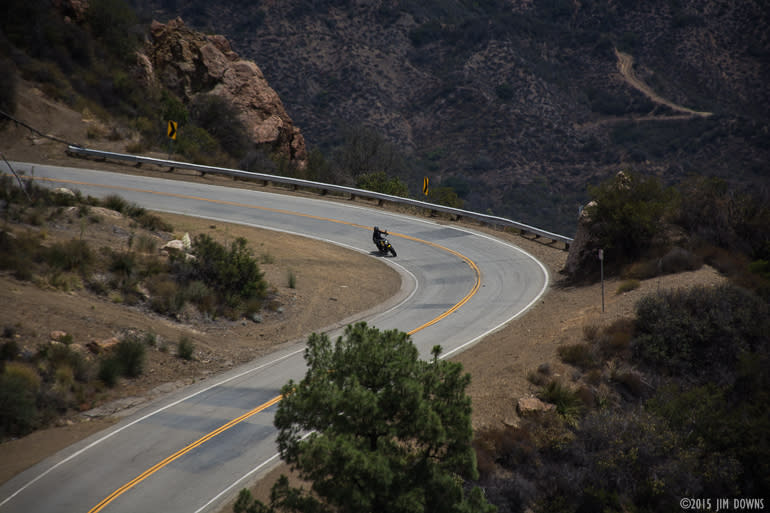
(529, 406)
(582, 257)
(190, 63)
(72, 10)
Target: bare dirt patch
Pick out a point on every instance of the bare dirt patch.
(331, 286)
(626, 69)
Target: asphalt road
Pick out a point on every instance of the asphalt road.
(193, 450)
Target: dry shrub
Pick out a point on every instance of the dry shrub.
(590, 332)
(508, 446)
(586, 395)
(631, 381)
(643, 270)
(679, 259)
(594, 377)
(627, 286)
(540, 377)
(146, 243)
(615, 339)
(723, 260)
(166, 297)
(579, 355)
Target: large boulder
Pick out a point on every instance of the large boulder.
(582, 260)
(530, 406)
(190, 63)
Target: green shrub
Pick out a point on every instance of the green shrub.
(116, 203)
(699, 330)
(219, 117)
(445, 196)
(122, 263)
(9, 350)
(198, 145)
(721, 217)
(568, 403)
(627, 213)
(109, 370)
(57, 355)
(677, 260)
(232, 274)
(380, 182)
(185, 348)
(153, 223)
(130, 354)
(19, 386)
(504, 91)
(73, 255)
(201, 296)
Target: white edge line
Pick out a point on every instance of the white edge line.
(546, 283)
(134, 422)
(115, 432)
(245, 476)
(442, 356)
(298, 234)
(266, 462)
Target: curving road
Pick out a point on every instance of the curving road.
(192, 451)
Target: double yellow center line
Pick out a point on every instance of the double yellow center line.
(147, 473)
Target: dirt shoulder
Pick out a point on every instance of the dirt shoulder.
(332, 286)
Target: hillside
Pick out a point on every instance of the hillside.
(518, 105)
(516, 112)
(499, 364)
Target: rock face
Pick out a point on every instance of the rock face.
(582, 257)
(529, 406)
(190, 63)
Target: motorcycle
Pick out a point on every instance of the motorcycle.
(384, 246)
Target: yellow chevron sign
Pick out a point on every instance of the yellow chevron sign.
(172, 130)
(425, 185)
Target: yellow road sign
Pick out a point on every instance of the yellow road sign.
(425, 185)
(172, 130)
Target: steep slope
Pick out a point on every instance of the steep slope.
(509, 102)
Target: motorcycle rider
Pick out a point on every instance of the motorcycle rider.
(377, 236)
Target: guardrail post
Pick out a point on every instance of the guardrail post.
(421, 206)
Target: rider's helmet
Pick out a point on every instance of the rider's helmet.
(376, 229)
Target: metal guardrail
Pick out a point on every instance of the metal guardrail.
(324, 187)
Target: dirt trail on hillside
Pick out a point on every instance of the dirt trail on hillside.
(626, 69)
